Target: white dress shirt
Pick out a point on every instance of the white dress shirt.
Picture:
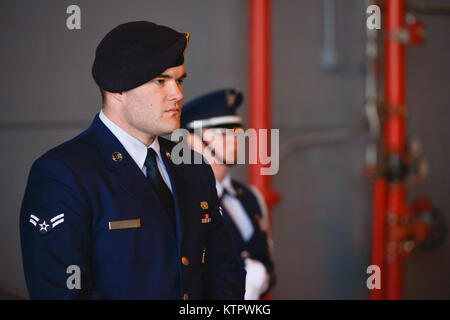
(257, 278)
(234, 208)
(136, 149)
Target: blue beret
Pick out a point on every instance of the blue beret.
(213, 110)
(134, 53)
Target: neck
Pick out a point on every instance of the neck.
(220, 171)
(141, 136)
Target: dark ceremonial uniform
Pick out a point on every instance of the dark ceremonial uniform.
(87, 204)
(217, 111)
(256, 247)
(93, 225)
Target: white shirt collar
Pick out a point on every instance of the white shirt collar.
(136, 149)
(226, 183)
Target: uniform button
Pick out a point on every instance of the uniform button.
(185, 296)
(185, 261)
(245, 254)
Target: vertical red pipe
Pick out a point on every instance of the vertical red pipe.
(259, 81)
(396, 206)
(395, 134)
(260, 91)
(395, 77)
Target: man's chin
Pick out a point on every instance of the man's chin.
(169, 129)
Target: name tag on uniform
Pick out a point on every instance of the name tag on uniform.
(124, 224)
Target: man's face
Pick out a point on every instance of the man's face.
(224, 145)
(154, 108)
(216, 147)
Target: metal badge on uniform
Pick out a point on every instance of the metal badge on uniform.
(124, 224)
(117, 156)
(203, 255)
(45, 226)
(205, 216)
(168, 154)
(204, 205)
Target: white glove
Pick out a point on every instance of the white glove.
(257, 279)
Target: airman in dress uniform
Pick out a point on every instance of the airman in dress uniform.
(112, 203)
(243, 207)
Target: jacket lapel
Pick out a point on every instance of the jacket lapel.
(242, 196)
(131, 178)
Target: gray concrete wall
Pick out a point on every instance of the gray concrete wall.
(322, 228)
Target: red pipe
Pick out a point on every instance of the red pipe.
(395, 77)
(260, 94)
(395, 137)
(259, 82)
(397, 209)
(260, 89)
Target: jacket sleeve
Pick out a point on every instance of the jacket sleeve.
(55, 222)
(260, 242)
(224, 274)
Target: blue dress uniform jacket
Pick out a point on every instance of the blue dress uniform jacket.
(257, 246)
(73, 193)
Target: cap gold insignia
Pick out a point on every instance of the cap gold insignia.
(231, 98)
(117, 156)
(187, 42)
(204, 205)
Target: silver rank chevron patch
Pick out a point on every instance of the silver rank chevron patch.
(45, 226)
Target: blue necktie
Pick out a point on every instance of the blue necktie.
(160, 187)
